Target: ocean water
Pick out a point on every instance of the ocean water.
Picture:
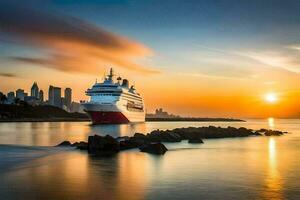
(237, 168)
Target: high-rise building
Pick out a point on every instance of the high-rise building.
(63, 104)
(54, 96)
(68, 98)
(50, 95)
(35, 90)
(11, 97)
(20, 94)
(41, 96)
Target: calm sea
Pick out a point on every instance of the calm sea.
(238, 168)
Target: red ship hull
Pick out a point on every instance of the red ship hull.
(98, 117)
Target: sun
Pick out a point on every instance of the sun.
(271, 98)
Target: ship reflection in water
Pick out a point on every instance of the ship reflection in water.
(247, 168)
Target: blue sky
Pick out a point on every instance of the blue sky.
(171, 26)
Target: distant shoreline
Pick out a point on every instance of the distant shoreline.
(46, 113)
(194, 119)
(147, 120)
(46, 120)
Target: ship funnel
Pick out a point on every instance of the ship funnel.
(125, 83)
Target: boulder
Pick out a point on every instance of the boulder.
(273, 133)
(154, 136)
(81, 145)
(154, 148)
(244, 132)
(190, 133)
(175, 136)
(140, 136)
(103, 146)
(195, 141)
(130, 144)
(268, 132)
(169, 136)
(262, 130)
(212, 132)
(257, 133)
(64, 144)
(123, 138)
(138, 140)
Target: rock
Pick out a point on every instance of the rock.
(103, 146)
(257, 133)
(130, 144)
(154, 136)
(81, 145)
(139, 139)
(154, 148)
(121, 138)
(64, 144)
(169, 136)
(176, 137)
(244, 132)
(262, 130)
(268, 132)
(140, 136)
(136, 141)
(163, 136)
(195, 141)
(213, 132)
(273, 133)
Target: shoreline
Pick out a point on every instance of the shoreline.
(147, 120)
(46, 120)
(194, 119)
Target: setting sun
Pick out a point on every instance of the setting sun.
(271, 98)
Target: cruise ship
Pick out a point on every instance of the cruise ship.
(114, 102)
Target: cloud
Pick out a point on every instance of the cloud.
(67, 43)
(285, 58)
(294, 47)
(8, 75)
(279, 59)
(213, 76)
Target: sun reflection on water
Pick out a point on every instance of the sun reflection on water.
(271, 123)
(273, 181)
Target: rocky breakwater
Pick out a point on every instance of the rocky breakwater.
(153, 141)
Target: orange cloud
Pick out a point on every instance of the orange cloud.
(9, 75)
(69, 44)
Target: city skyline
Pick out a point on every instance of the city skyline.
(36, 96)
(237, 59)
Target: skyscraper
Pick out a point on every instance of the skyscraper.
(35, 90)
(11, 97)
(54, 96)
(20, 94)
(68, 98)
(50, 95)
(41, 95)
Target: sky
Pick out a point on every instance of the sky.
(206, 58)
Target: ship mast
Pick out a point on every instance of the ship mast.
(111, 74)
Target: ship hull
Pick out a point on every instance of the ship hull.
(100, 117)
(112, 114)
